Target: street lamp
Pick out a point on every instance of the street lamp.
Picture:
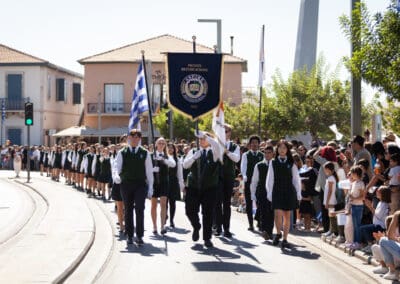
(219, 31)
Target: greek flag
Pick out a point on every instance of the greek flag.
(3, 111)
(139, 100)
(398, 5)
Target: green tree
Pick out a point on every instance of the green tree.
(183, 127)
(377, 61)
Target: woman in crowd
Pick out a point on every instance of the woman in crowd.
(357, 203)
(175, 183)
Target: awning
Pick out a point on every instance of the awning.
(76, 131)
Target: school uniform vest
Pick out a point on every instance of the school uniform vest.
(97, 169)
(209, 172)
(81, 153)
(90, 159)
(57, 159)
(160, 178)
(252, 160)
(133, 166)
(104, 167)
(261, 193)
(229, 165)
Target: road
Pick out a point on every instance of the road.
(88, 248)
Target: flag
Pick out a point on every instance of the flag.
(398, 6)
(339, 135)
(3, 111)
(218, 127)
(261, 71)
(140, 103)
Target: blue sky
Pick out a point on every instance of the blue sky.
(66, 31)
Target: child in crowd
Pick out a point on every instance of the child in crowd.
(330, 197)
(394, 182)
(357, 203)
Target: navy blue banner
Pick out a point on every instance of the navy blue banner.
(194, 82)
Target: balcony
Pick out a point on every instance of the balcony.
(109, 108)
(13, 104)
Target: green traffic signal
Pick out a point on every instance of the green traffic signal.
(29, 121)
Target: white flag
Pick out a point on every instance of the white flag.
(218, 127)
(261, 71)
(334, 129)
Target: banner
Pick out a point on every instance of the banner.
(194, 82)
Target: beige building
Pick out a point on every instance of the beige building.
(110, 78)
(54, 91)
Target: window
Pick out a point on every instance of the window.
(114, 98)
(60, 89)
(76, 93)
(48, 87)
(14, 91)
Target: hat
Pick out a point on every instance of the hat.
(329, 153)
(390, 137)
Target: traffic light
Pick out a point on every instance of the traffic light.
(28, 114)
(168, 120)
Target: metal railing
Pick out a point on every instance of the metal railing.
(14, 104)
(111, 108)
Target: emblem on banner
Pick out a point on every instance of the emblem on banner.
(194, 88)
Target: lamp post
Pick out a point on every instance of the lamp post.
(219, 31)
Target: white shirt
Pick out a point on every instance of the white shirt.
(356, 192)
(332, 200)
(190, 157)
(269, 183)
(394, 175)
(381, 212)
(235, 155)
(168, 161)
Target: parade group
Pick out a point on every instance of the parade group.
(350, 193)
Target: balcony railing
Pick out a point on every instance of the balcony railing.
(13, 104)
(111, 108)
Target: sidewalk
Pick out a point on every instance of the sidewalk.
(53, 245)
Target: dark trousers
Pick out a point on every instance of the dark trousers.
(223, 207)
(249, 204)
(206, 199)
(266, 215)
(172, 209)
(324, 213)
(134, 196)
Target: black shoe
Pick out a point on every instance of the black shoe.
(129, 241)
(276, 239)
(285, 244)
(227, 234)
(266, 236)
(139, 241)
(155, 232)
(195, 235)
(208, 244)
(218, 232)
(172, 225)
(163, 231)
(251, 229)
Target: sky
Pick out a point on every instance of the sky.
(63, 32)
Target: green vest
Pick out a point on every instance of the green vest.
(89, 158)
(229, 165)
(262, 176)
(133, 165)
(160, 178)
(252, 160)
(208, 175)
(104, 167)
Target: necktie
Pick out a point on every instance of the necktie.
(203, 158)
(133, 150)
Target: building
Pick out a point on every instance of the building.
(54, 91)
(110, 79)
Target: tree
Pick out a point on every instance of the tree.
(377, 61)
(183, 127)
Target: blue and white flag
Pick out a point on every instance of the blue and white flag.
(398, 5)
(140, 103)
(3, 111)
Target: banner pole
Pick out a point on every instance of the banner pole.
(197, 129)
(151, 140)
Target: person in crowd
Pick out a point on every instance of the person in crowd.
(359, 152)
(105, 172)
(116, 193)
(283, 190)
(88, 168)
(161, 164)
(134, 171)
(379, 216)
(249, 160)
(330, 197)
(357, 203)
(259, 193)
(390, 247)
(57, 159)
(227, 178)
(17, 161)
(176, 184)
(202, 185)
(394, 182)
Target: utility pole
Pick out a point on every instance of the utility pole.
(219, 31)
(99, 115)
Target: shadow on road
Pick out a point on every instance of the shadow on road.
(215, 266)
(216, 252)
(240, 247)
(294, 251)
(145, 250)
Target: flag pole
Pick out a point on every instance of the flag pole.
(151, 136)
(261, 78)
(197, 130)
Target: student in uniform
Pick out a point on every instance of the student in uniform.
(134, 171)
(223, 208)
(57, 159)
(88, 168)
(249, 160)
(283, 190)
(259, 194)
(202, 185)
(161, 164)
(104, 173)
(176, 184)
